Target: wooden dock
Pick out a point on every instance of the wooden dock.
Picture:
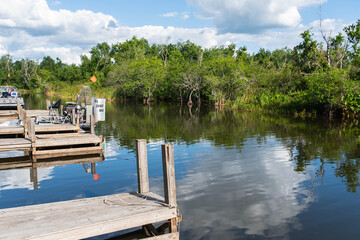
(89, 217)
(48, 139)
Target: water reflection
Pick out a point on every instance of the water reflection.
(239, 175)
(308, 142)
(24, 172)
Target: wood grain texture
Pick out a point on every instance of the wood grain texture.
(83, 218)
(142, 166)
(11, 130)
(169, 174)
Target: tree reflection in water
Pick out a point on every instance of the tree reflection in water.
(309, 142)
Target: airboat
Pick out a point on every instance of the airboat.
(78, 112)
(10, 96)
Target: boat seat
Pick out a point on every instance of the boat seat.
(56, 105)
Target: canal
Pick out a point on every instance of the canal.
(239, 175)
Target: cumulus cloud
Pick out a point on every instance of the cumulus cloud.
(29, 28)
(248, 16)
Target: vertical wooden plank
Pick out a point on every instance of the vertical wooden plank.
(92, 124)
(32, 136)
(73, 116)
(142, 166)
(18, 109)
(25, 124)
(169, 174)
(78, 119)
(173, 225)
(61, 109)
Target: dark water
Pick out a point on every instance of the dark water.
(239, 175)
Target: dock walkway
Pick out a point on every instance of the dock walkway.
(89, 217)
(83, 218)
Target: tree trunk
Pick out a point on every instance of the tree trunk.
(190, 100)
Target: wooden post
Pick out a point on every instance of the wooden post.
(142, 167)
(78, 119)
(169, 174)
(169, 180)
(18, 109)
(31, 129)
(61, 109)
(92, 124)
(25, 124)
(73, 116)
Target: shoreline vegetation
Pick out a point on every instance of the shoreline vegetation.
(312, 79)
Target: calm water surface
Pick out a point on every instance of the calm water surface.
(239, 175)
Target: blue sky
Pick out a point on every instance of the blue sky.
(68, 28)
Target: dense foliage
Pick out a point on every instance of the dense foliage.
(311, 78)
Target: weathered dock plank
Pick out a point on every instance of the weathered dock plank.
(79, 140)
(84, 218)
(8, 130)
(11, 144)
(55, 128)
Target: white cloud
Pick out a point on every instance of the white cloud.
(29, 28)
(20, 178)
(185, 15)
(248, 16)
(170, 14)
(56, 3)
(262, 200)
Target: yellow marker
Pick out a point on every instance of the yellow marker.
(93, 79)
(8, 75)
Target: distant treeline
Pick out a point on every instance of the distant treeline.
(313, 77)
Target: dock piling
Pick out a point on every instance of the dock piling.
(142, 166)
(92, 124)
(169, 174)
(73, 116)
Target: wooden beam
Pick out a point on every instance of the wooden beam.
(169, 174)
(150, 230)
(69, 151)
(18, 108)
(73, 116)
(142, 166)
(25, 124)
(92, 124)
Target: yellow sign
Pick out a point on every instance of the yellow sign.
(93, 79)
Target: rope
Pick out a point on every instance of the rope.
(142, 201)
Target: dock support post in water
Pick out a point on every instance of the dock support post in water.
(142, 166)
(31, 132)
(92, 124)
(73, 116)
(169, 180)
